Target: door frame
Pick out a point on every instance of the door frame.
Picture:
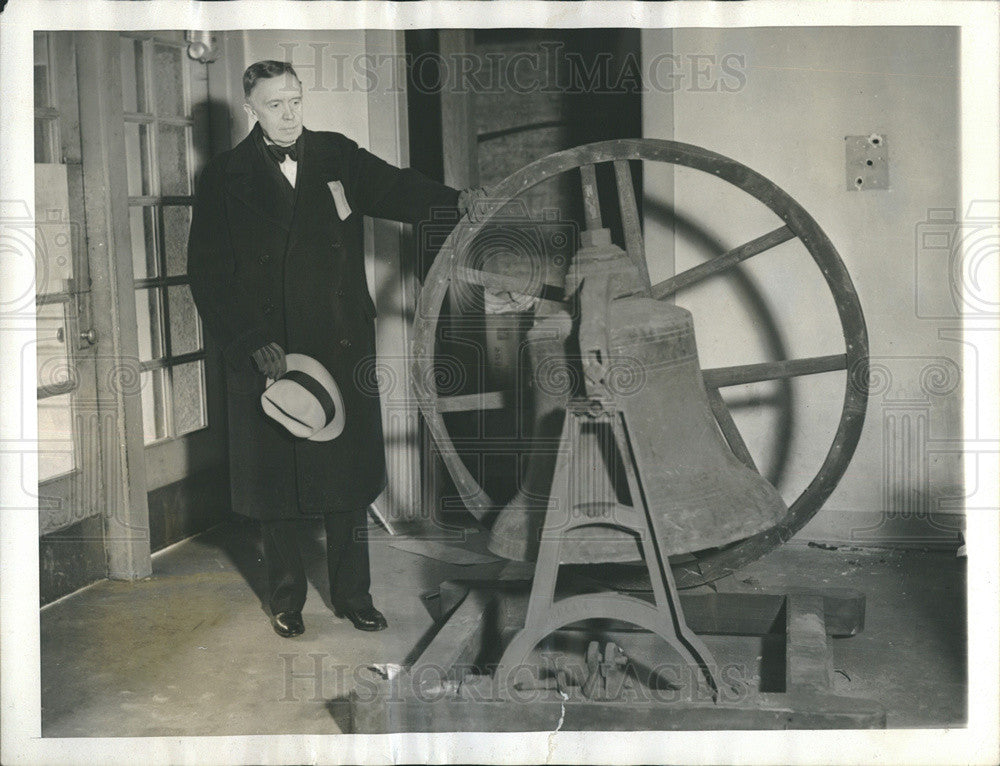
(390, 268)
(102, 126)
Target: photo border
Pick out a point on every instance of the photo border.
(20, 705)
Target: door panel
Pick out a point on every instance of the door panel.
(166, 141)
(69, 449)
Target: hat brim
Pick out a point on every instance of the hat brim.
(311, 367)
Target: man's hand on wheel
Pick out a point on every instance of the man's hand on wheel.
(473, 202)
(270, 360)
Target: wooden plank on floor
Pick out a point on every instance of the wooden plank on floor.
(459, 641)
(395, 708)
(808, 660)
(740, 614)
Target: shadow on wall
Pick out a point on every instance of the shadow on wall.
(216, 115)
(782, 401)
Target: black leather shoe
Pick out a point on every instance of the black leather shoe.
(369, 618)
(288, 624)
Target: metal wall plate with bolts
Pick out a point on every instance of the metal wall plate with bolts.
(867, 162)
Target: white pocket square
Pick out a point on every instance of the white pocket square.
(339, 199)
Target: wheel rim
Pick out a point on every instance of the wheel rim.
(798, 224)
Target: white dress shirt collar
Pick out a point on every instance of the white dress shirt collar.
(288, 167)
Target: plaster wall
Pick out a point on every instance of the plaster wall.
(783, 107)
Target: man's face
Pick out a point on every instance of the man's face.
(276, 102)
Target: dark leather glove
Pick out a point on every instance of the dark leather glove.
(270, 360)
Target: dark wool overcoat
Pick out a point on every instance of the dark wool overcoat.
(269, 263)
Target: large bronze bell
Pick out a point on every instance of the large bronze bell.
(638, 356)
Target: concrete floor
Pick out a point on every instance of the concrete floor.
(190, 650)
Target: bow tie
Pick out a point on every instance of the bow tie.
(280, 152)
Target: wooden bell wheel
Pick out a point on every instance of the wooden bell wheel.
(451, 266)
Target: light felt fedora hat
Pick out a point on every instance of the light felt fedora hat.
(305, 400)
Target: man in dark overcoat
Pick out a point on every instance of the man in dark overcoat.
(276, 262)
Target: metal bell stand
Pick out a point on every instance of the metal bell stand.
(446, 689)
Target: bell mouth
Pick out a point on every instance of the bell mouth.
(702, 512)
(517, 533)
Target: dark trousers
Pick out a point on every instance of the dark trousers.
(346, 562)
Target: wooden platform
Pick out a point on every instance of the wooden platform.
(450, 688)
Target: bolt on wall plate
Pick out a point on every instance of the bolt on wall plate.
(867, 162)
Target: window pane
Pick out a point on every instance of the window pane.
(147, 314)
(189, 397)
(52, 360)
(137, 166)
(55, 437)
(133, 79)
(53, 229)
(185, 326)
(153, 410)
(173, 159)
(176, 227)
(169, 68)
(142, 222)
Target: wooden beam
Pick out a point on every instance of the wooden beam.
(808, 659)
(722, 262)
(735, 614)
(109, 245)
(397, 707)
(458, 116)
(721, 377)
(632, 229)
(591, 199)
(459, 641)
(489, 400)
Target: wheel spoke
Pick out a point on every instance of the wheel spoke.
(514, 284)
(729, 430)
(720, 377)
(630, 218)
(488, 400)
(722, 262)
(591, 202)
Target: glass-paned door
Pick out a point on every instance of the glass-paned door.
(164, 93)
(157, 100)
(69, 423)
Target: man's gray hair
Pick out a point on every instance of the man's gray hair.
(263, 70)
